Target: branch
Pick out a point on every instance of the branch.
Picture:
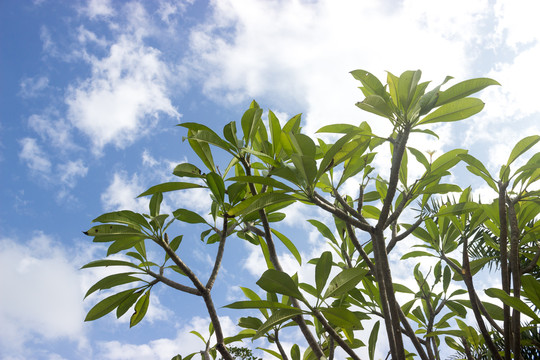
(349, 208)
(359, 248)
(532, 264)
(325, 205)
(174, 284)
(219, 255)
(403, 235)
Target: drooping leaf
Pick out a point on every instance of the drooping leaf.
(187, 170)
(126, 217)
(288, 244)
(216, 186)
(258, 202)
(278, 317)
(377, 105)
(369, 81)
(342, 317)
(107, 305)
(513, 302)
(188, 216)
(113, 280)
(140, 309)
(322, 270)
(373, 340)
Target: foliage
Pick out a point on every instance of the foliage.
(273, 165)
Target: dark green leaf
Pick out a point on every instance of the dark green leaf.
(373, 340)
(140, 309)
(107, 305)
(279, 282)
(322, 270)
(515, 303)
(169, 186)
(258, 202)
(188, 216)
(112, 280)
(344, 281)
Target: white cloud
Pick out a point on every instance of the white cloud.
(184, 343)
(33, 156)
(122, 194)
(99, 8)
(72, 170)
(41, 295)
(123, 98)
(57, 132)
(516, 21)
(32, 87)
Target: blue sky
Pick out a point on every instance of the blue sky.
(91, 91)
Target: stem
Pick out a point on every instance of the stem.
(174, 284)
(219, 256)
(516, 277)
(280, 348)
(220, 346)
(505, 275)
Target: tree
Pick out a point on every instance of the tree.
(274, 165)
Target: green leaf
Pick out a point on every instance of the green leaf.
(216, 186)
(289, 244)
(413, 254)
(440, 189)
(155, 204)
(259, 201)
(342, 317)
(295, 352)
(107, 305)
(457, 209)
(515, 303)
(279, 316)
(140, 309)
(279, 282)
(258, 304)
(344, 281)
(262, 180)
(250, 121)
(188, 216)
(169, 186)
(322, 270)
(420, 157)
(407, 87)
(370, 82)
(377, 105)
(126, 217)
(454, 111)
(531, 288)
(522, 146)
(187, 170)
(106, 262)
(463, 89)
(323, 229)
(373, 340)
(111, 281)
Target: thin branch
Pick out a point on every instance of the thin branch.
(403, 235)
(505, 271)
(322, 203)
(532, 264)
(359, 248)
(516, 275)
(349, 208)
(174, 284)
(219, 255)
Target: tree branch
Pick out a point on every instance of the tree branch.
(219, 255)
(174, 284)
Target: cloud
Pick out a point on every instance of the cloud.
(33, 86)
(122, 194)
(34, 157)
(99, 8)
(41, 295)
(184, 343)
(56, 132)
(123, 98)
(72, 170)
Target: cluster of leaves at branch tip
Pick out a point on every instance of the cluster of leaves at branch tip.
(271, 165)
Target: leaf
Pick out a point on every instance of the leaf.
(463, 89)
(258, 304)
(369, 81)
(111, 281)
(322, 270)
(259, 201)
(377, 105)
(106, 262)
(140, 309)
(413, 254)
(262, 180)
(373, 340)
(216, 186)
(114, 231)
(289, 244)
(531, 288)
(295, 352)
(279, 282)
(407, 87)
(457, 209)
(522, 146)
(278, 317)
(169, 186)
(155, 204)
(187, 170)
(515, 303)
(420, 157)
(457, 110)
(323, 229)
(440, 189)
(107, 305)
(126, 217)
(342, 317)
(188, 216)
(344, 281)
